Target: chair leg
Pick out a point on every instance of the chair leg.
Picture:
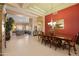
(69, 50)
(50, 44)
(56, 45)
(45, 42)
(63, 46)
(42, 41)
(75, 50)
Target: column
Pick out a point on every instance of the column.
(1, 13)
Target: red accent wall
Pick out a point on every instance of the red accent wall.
(71, 20)
(47, 19)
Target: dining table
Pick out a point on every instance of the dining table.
(60, 39)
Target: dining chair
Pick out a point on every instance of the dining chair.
(57, 42)
(47, 39)
(42, 38)
(77, 38)
(40, 35)
(71, 44)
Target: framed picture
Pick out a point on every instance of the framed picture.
(60, 24)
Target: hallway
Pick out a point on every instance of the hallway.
(29, 46)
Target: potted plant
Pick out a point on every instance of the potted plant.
(8, 27)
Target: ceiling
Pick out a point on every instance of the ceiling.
(40, 9)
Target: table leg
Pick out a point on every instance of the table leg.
(69, 48)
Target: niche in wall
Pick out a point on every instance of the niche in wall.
(40, 23)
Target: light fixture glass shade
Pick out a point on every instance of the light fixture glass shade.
(52, 24)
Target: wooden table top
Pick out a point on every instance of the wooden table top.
(63, 37)
(59, 36)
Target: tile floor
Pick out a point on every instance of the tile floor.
(30, 46)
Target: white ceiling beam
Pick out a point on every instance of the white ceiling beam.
(35, 10)
(38, 8)
(20, 11)
(17, 5)
(13, 5)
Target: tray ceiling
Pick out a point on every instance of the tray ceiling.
(41, 9)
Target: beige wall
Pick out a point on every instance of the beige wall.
(41, 23)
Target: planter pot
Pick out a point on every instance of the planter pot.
(7, 36)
